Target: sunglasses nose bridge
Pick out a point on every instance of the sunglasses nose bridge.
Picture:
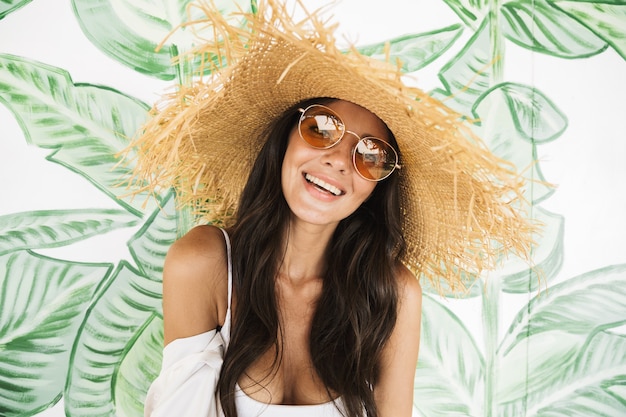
(358, 138)
(348, 143)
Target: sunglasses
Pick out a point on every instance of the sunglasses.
(373, 158)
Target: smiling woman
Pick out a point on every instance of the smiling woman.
(309, 285)
(81, 330)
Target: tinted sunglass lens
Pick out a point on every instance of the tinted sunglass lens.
(374, 158)
(320, 128)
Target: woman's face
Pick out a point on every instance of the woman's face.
(321, 186)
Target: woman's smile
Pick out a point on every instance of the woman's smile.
(323, 185)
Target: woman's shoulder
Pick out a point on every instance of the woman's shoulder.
(193, 256)
(199, 244)
(410, 290)
(195, 283)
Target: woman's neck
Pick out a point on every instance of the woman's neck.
(305, 251)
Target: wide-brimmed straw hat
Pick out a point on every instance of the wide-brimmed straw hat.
(462, 206)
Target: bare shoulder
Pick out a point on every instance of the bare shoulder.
(195, 283)
(409, 318)
(410, 290)
(200, 244)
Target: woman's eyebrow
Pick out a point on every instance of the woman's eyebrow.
(369, 135)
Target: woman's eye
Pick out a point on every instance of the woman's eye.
(315, 131)
(326, 123)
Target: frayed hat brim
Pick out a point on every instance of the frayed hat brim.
(463, 207)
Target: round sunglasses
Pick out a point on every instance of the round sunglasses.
(374, 159)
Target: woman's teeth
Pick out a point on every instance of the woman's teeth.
(323, 185)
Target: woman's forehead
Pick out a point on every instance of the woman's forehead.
(359, 119)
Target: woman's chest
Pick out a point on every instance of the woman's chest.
(284, 374)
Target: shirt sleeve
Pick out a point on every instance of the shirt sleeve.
(187, 382)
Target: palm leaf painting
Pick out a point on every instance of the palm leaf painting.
(84, 338)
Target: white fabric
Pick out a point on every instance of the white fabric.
(188, 378)
(190, 370)
(248, 407)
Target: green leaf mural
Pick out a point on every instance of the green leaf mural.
(450, 371)
(54, 228)
(121, 308)
(604, 18)
(122, 311)
(514, 119)
(415, 51)
(574, 307)
(85, 125)
(149, 246)
(563, 333)
(467, 76)
(135, 29)
(537, 26)
(138, 368)
(90, 335)
(43, 301)
(594, 385)
(518, 277)
(8, 6)
(469, 11)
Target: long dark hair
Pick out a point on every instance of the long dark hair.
(356, 311)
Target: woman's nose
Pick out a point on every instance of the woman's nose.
(340, 155)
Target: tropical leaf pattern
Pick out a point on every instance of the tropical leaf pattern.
(43, 303)
(85, 126)
(8, 6)
(415, 51)
(605, 19)
(53, 228)
(451, 368)
(89, 334)
(135, 41)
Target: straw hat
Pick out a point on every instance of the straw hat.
(461, 204)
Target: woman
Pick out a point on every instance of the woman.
(309, 293)
(337, 185)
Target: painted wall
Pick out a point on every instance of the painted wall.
(79, 268)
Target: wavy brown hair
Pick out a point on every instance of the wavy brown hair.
(356, 311)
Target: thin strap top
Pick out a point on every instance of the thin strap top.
(225, 330)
